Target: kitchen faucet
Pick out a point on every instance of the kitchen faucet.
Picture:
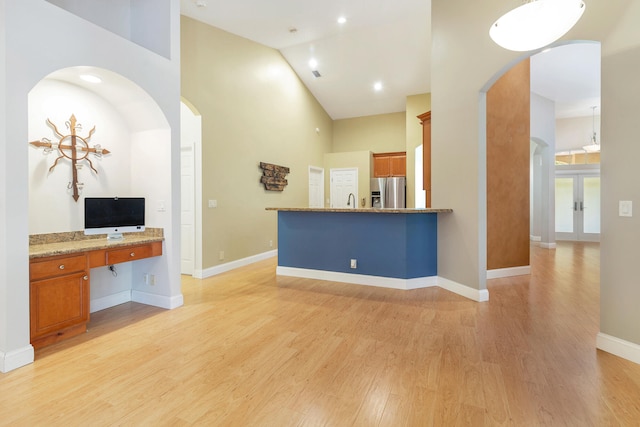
(349, 200)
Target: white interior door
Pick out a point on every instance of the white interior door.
(316, 187)
(578, 207)
(191, 189)
(344, 182)
(187, 214)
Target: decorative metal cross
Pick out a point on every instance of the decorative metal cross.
(72, 147)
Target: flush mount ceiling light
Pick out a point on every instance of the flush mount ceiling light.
(90, 78)
(377, 86)
(536, 23)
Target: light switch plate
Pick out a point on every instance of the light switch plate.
(625, 208)
(213, 203)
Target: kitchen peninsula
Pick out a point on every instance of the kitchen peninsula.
(395, 248)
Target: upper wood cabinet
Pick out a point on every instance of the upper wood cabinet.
(425, 121)
(389, 164)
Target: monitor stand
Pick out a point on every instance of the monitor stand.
(115, 236)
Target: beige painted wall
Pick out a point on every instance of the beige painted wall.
(619, 290)
(464, 64)
(254, 108)
(382, 133)
(416, 105)
(362, 160)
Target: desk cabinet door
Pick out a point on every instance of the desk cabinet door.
(59, 303)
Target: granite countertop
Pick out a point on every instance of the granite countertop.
(44, 245)
(366, 210)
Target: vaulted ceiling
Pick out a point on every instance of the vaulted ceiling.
(381, 41)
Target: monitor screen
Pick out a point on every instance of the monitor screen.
(113, 215)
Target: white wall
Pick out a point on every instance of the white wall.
(144, 22)
(29, 54)
(51, 207)
(542, 131)
(575, 132)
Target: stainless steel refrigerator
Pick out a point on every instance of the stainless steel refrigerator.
(388, 192)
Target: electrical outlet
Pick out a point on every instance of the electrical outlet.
(354, 263)
(152, 279)
(221, 255)
(146, 279)
(270, 243)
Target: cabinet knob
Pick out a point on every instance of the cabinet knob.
(61, 266)
(85, 277)
(133, 254)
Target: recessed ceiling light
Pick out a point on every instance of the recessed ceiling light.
(90, 78)
(313, 64)
(377, 86)
(342, 20)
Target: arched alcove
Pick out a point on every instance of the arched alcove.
(116, 115)
(540, 124)
(127, 122)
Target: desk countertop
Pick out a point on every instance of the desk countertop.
(44, 245)
(366, 210)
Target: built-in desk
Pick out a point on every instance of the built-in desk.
(59, 277)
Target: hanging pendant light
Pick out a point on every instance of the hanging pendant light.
(536, 23)
(594, 147)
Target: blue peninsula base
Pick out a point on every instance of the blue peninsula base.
(395, 249)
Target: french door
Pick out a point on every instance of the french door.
(578, 206)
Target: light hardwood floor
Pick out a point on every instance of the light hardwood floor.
(250, 349)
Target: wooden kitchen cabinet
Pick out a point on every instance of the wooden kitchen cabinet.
(425, 121)
(389, 164)
(59, 289)
(59, 298)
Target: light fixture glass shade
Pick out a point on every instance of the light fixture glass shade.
(592, 148)
(536, 24)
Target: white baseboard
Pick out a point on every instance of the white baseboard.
(16, 358)
(110, 301)
(508, 272)
(161, 301)
(621, 348)
(479, 295)
(387, 282)
(535, 238)
(223, 268)
(547, 245)
(358, 279)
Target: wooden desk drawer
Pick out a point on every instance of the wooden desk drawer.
(49, 267)
(131, 253)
